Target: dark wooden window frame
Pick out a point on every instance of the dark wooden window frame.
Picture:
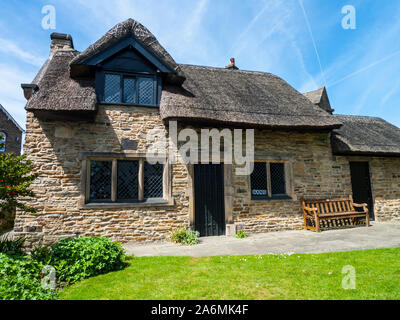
(101, 85)
(86, 158)
(289, 194)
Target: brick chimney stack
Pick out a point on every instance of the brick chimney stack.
(232, 65)
(60, 41)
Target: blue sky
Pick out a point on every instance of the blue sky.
(359, 67)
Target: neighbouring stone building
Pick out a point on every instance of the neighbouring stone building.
(11, 133)
(10, 139)
(90, 113)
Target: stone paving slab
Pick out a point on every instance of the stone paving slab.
(379, 235)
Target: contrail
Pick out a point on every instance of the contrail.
(313, 40)
(365, 68)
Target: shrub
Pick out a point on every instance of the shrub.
(185, 236)
(16, 179)
(20, 280)
(241, 234)
(42, 254)
(12, 247)
(80, 258)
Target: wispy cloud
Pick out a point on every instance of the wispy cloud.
(11, 95)
(9, 47)
(196, 18)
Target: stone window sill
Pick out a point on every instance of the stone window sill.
(275, 199)
(146, 204)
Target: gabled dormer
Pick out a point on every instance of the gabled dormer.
(129, 66)
(128, 76)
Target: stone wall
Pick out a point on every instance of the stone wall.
(56, 148)
(385, 177)
(314, 173)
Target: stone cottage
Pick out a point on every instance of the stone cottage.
(11, 133)
(89, 115)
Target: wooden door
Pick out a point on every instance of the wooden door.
(361, 184)
(209, 199)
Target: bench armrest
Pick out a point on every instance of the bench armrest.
(310, 209)
(361, 205)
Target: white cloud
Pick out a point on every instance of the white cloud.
(11, 94)
(10, 48)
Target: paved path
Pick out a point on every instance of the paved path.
(380, 235)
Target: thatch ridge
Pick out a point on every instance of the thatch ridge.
(124, 29)
(240, 97)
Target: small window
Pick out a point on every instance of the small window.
(3, 139)
(100, 181)
(268, 181)
(146, 91)
(128, 177)
(119, 181)
(129, 89)
(259, 183)
(278, 184)
(153, 180)
(112, 89)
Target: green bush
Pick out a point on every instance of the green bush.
(20, 279)
(80, 258)
(185, 236)
(42, 254)
(241, 234)
(12, 247)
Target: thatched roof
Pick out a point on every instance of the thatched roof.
(320, 98)
(243, 98)
(58, 91)
(126, 29)
(366, 136)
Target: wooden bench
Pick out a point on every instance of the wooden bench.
(338, 211)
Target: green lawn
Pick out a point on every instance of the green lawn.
(298, 276)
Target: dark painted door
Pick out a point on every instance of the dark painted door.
(361, 183)
(209, 199)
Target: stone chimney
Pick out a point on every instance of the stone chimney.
(29, 89)
(232, 65)
(60, 41)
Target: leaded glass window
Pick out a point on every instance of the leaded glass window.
(128, 173)
(125, 180)
(130, 89)
(153, 180)
(146, 91)
(259, 183)
(268, 181)
(100, 180)
(112, 88)
(278, 185)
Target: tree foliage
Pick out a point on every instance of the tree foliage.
(15, 179)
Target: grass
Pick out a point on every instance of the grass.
(297, 276)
